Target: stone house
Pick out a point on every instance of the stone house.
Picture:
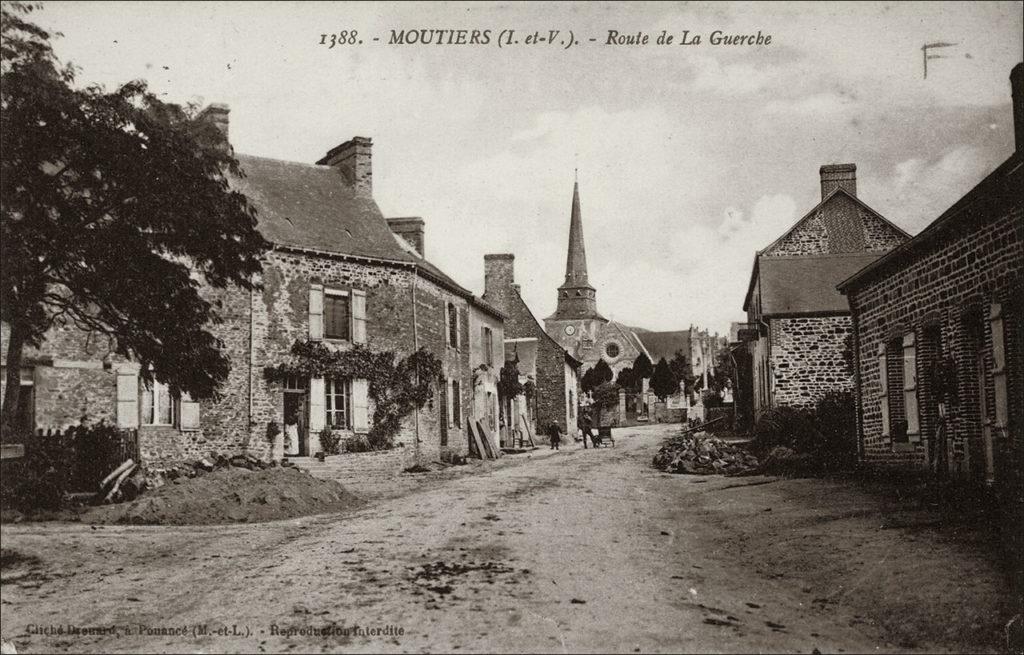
(803, 338)
(554, 371)
(337, 273)
(939, 334)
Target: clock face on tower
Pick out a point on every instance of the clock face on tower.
(570, 330)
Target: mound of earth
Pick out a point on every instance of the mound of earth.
(230, 495)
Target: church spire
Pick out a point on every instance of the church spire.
(576, 261)
(576, 298)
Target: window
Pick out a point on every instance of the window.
(612, 350)
(453, 326)
(456, 405)
(337, 316)
(338, 403)
(443, 412)
(157, 404)
(894, 389)
(488, 346)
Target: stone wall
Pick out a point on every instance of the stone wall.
(810, 356)
(946, 291)
(840, 225)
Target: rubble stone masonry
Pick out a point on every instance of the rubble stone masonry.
(811, 356)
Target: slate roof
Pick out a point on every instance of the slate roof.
(310, 206)
(805, 284)
(665, 344)
(994, 197)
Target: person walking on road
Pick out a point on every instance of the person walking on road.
(556, 435)
(585, 425)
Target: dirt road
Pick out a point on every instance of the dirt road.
(582, 550)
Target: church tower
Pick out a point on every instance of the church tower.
(576, 321)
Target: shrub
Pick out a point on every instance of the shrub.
(836, 418)
(785, 426)
(330, 443)
(358, 444)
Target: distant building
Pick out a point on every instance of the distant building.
(803, 344)
(939, 329)
(554, 372)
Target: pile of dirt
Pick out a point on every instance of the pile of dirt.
(701, 454)
(230, 495)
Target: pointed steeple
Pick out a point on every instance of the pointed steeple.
(576, 261)
(576, 298)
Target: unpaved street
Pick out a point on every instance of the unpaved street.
(581, 550)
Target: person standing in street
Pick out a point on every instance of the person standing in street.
(556, 435)
(585, 425)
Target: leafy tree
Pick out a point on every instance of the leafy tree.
(642, 368)
(682, 370)
(663, 382)
(626, 379)
(596, 376)
(725, 372)
(606, 396)
(116, 212)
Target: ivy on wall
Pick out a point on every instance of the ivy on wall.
(397, 387)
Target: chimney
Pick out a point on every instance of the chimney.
(1017, 91)
(353, 159)
(834, 176)
(499, 277)
(217, 113)
(409, 228)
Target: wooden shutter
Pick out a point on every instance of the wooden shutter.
(456, 405)
(360, 405)
(883, 379)
(995, 317)
(317, 406)
(910, 387)
(127, 399)
(358, 316)
(316, 314)
(188, 414)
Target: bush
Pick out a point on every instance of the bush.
(330, 443)
(785, 426)
(836, 419)
(358, 444)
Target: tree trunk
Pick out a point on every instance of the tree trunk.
(12, 394)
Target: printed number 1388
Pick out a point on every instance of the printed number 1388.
(343, 37)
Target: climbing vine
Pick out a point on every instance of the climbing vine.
(397, 387)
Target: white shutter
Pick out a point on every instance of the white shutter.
(458, 329)
(360, 405)
(883, 379)
(316, 313)
(188, 414)
(317, 406)
(910, 387)
(358, 316)
(127, 399)
(996, 324)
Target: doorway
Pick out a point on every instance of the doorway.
(296, 432)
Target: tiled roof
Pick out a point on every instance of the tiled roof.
(309, 206)
(807, 284)
(665, 344)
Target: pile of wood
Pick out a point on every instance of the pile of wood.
(698, 453)
(129, 480)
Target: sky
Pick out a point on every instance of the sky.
(689, 157)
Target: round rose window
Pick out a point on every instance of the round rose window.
(612, 350)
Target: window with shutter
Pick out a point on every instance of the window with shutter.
(456, 406)
(453, 326)
(188, 414)
(443, 409)
(910, 406)
(488, 347)
(127, 399)
(997, 325)
(316, 312)
(317, 402)
(360, 405)
(337, 403)
(157, 404)
(883, 381)
(337, 316)
(358, 316)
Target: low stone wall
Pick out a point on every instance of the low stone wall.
(362, 467)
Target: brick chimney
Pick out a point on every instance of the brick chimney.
(217, 113)
(1017, 90)
(354, 159)
(499, 280)
(834, 176)
(409, 228)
